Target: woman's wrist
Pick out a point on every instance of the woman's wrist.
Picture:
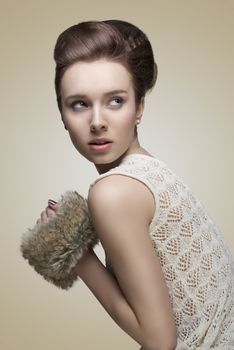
(83, 261)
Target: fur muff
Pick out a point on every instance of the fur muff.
(54, 246)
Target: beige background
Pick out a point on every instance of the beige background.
(188, 123)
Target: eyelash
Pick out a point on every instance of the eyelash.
(118, 98)
(73, 105)
(84, 104)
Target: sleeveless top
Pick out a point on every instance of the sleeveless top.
(197, 265)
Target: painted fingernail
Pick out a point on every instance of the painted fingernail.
(52, 202)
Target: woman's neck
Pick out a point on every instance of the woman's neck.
(135, 149)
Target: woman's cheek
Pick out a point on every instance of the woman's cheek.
(76, 140)
(128, 123)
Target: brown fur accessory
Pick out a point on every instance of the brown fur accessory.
(53, 247)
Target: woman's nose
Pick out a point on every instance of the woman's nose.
(98, 122)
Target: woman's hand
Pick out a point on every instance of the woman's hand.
(49, 211)
(58, 240)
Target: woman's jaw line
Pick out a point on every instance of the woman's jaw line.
(103, 167)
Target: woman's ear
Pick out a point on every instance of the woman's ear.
(140, 110)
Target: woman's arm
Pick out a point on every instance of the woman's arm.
(138, 300)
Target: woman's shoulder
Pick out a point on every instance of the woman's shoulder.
(135, 166)
(117, 187)
(118, 194)
(132, 179)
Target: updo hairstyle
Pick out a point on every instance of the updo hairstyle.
(115, 40)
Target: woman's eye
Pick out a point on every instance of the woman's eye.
(116, 101)
(78, 105)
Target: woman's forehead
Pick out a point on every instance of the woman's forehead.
(102, 75)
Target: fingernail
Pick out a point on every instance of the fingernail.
(52, 202)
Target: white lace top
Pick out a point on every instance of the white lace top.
(196, 263)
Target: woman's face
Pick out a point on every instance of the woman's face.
(99, 110)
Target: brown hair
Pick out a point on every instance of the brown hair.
(114, 40)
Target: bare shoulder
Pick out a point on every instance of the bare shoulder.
(122, 193)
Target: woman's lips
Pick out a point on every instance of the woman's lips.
(100, 145)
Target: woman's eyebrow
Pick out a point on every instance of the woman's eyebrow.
(105, 94)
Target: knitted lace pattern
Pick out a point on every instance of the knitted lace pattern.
(197, 265)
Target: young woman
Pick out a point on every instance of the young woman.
(168, 280)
